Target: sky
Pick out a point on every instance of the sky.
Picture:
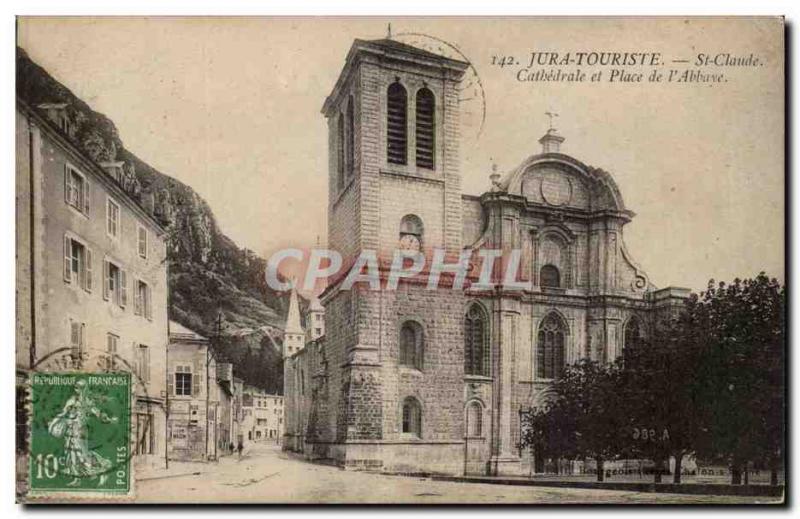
(231, 106)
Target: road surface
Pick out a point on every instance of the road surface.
(267, 475)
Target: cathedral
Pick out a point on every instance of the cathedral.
(420, 381)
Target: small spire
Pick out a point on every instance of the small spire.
(495, 177)
(389, 32)
(551, 140)
(551, 115)
(293, 315)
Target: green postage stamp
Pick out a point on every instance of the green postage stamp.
(80, 432)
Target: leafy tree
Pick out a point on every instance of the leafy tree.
(582, 417)
(743, 371)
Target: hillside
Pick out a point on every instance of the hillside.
(208, 273)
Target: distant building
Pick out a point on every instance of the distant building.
(201, 394)
(91, 271)
(262, 416)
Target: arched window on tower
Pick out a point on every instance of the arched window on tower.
(476, 342)
(411, 231)
(550, 347)
(412, 345)
(412, 417)
(633, 337)
(340, 152)
(474, 418)
(549, 277)
(350, 150)
(426, 128)
(396, 124)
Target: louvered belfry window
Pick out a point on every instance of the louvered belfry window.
(426, 128)
(396, 124)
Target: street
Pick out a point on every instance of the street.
(265, 474)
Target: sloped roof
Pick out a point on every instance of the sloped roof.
(180, 332)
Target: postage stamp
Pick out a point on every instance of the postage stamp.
(80, 432)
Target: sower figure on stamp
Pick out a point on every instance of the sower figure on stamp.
(71, 423)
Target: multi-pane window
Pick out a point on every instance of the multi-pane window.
(115, 286)
(426, 129)
(183, 381)
(143, 362)
(112, 218)
(411, 345)
(141, 240)
(396, 124)
(76, 189)
(550, 347)
(474, 419)
(112, 343)
(142, 300)
(549, 277)
(77, 263)
(412, 417)
(476, 347)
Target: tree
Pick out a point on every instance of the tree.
(582, 418)
(742, 370)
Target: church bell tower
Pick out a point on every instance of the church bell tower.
(393, 121)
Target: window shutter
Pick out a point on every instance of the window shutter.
(137, 298)
(88, 270)
(123, 288)
(82, 343)
(171, 384)
(106, 280)
(87, 194)
(148, 307)
(196, 383)
(67, 190)
(67, 259)
(146, 356)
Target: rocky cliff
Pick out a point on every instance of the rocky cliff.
(208, 273)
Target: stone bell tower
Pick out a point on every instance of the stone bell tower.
(393, 132)
(394, 183)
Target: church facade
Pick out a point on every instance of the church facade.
(433, 381)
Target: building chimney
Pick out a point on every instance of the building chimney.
(57, 112)
(114, 169)
(551, 141)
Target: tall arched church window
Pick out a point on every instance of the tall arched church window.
(549, 276)
(412, 345)
(350, 148)
(474, 419)
(550, 347)
(340, 152)
(412, 417)
(476, 339)
(426, 128)
(411, 231)
(396, 124)
(633, 337)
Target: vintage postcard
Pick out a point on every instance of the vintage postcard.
(410, 260)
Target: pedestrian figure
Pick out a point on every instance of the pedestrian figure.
(240, 448)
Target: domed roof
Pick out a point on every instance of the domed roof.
(601, 190)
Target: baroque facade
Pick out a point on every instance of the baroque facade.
(433, 381)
